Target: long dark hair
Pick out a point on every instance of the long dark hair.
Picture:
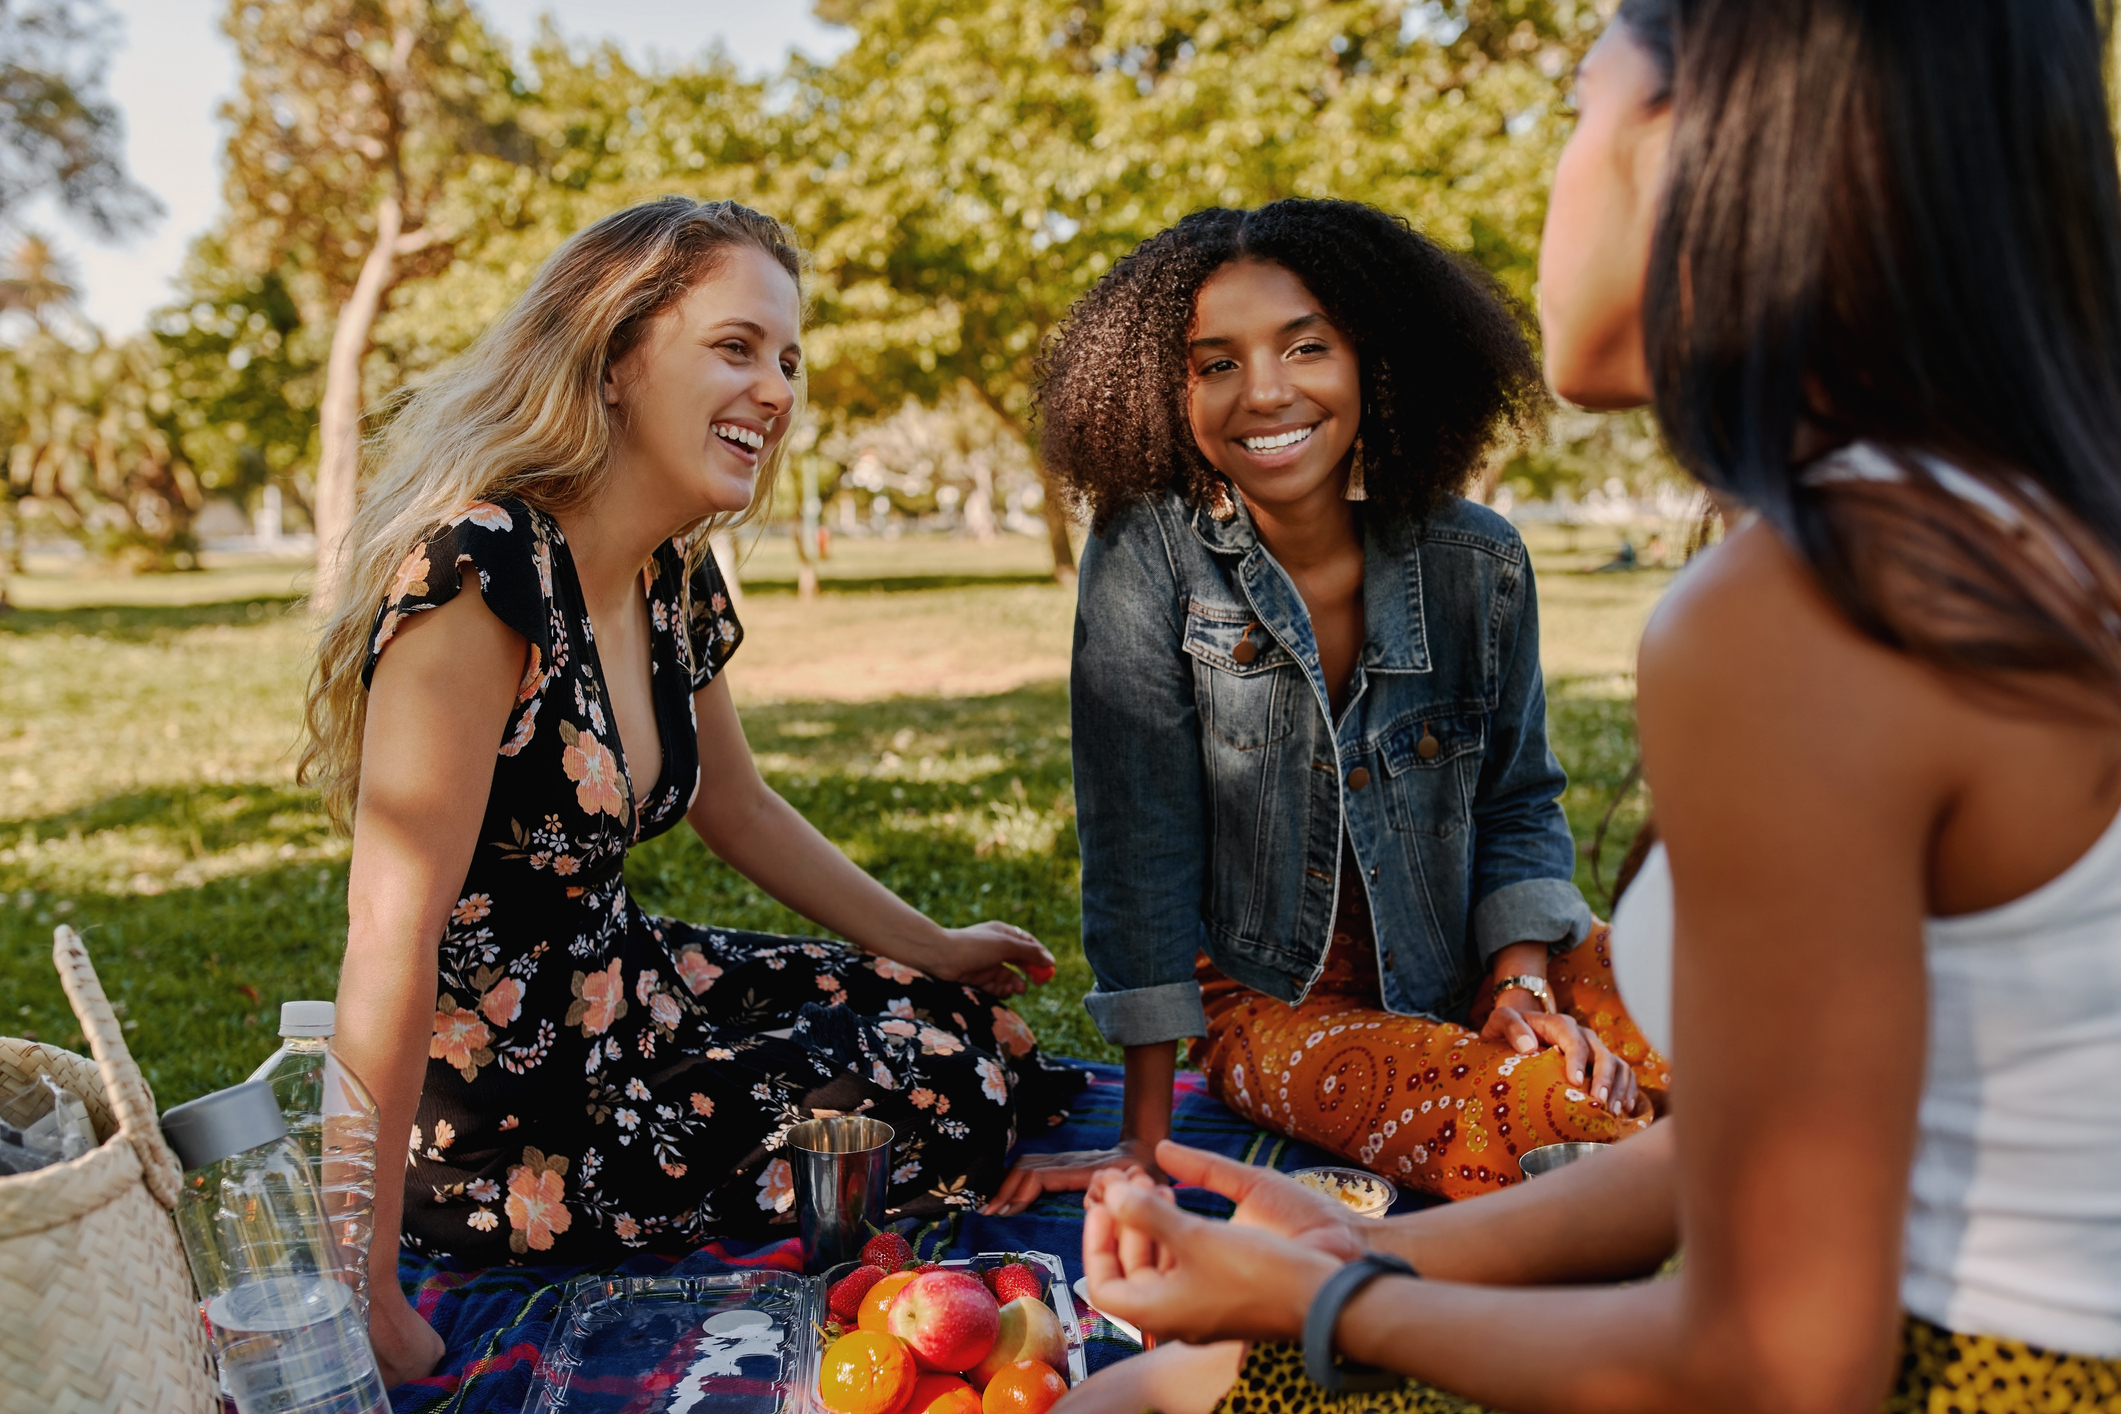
(1446, 365)
(1900, 221)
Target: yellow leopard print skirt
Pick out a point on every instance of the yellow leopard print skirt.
(1941, 1372)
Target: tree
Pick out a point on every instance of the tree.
(350, 120)
(244, 376)
(91, 449)
(969, 167)
(37, 281)
(59, 133)
(594, 133)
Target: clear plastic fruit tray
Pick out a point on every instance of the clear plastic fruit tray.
(1053, 1278)
(731, 1343)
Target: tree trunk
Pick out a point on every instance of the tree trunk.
(979, 506)
(1054, 507)
(1055, 510)
(339, 418)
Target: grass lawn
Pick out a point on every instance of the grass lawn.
(916, 711)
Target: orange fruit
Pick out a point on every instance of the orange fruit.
(942, 1394)
(1026, 1387)
(866, 1372)
(877, 1304)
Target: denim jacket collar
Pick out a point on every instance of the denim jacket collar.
(1395, 632)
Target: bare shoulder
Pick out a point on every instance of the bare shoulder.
(1748, 653)
(459, 645)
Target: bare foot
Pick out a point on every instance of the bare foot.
(1171, 1379)
(406, 1347)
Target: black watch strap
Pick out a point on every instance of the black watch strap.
(1324, 1315)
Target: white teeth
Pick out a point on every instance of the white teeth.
(1276, 442)
(745, 435)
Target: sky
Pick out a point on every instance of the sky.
(173, 68)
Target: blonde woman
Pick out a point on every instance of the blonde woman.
(524, 680)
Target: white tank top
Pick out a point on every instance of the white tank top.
(2014, 1202)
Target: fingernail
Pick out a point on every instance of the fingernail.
(1525, 1043)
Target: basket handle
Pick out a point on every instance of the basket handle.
(125, 1087)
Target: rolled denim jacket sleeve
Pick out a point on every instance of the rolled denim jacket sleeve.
(1138, 789)
(1524, 856)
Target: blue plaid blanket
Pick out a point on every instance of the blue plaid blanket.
(494, 1321)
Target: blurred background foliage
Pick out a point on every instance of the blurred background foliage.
(961, 173)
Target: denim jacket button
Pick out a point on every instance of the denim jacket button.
(1358, 778)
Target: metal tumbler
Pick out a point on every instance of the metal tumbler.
(842, 1168)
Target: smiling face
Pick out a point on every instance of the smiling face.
(1594, 259)
(1273, 389)
(707, 391)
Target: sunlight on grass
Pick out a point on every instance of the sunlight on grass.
(147, 792)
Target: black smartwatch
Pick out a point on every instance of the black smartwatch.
(1340, 1288)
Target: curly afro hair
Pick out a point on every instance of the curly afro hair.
(1446, 367)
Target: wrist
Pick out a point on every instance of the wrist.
(1524, 991)
(1303, 1286)
(920, 943)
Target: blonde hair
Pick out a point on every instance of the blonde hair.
(520, 413)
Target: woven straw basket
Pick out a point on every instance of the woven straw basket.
(96, 1304)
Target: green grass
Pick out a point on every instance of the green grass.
(147, 794)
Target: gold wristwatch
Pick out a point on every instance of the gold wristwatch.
(1537, 986)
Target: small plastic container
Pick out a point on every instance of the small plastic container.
(284, 1327)
(1366, 1194)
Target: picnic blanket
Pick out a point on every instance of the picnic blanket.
(494, 1321)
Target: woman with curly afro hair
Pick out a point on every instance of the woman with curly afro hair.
(1320, 823)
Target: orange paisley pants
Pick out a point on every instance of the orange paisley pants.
(1426, 1103)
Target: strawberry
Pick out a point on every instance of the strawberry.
(845, 1297)
(1039, 972)
(928, 1267)
(1014, 1280)
(887, 1250)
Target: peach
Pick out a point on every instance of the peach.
(1028, 1331)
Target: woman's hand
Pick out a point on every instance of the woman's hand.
(1072, 1172)
(1612, 1081)
(1187, 1278)
(1268, 1200)
(986, 956)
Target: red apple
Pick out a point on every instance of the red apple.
(948, 1319)
(1029, 1331)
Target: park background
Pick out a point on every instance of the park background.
(391, 171)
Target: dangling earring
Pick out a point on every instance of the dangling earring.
(1355, 491)
(1220, 506)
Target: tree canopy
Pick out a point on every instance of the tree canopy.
(961, 174)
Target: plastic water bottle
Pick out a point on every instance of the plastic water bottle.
(284, 1327)
(332, 1119)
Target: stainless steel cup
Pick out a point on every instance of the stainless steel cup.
(842, 1168)
(1548, 1157)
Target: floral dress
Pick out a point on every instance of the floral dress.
(601, 1079)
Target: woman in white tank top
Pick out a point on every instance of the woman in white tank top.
(1864, 259)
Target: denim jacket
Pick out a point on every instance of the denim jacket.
(1213, 793)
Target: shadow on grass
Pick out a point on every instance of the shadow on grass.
(209, 817)
(142, 622)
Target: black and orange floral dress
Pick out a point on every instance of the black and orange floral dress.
(601, 1079)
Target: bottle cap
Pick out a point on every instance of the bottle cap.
(307, 1018)
(226, 1123)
